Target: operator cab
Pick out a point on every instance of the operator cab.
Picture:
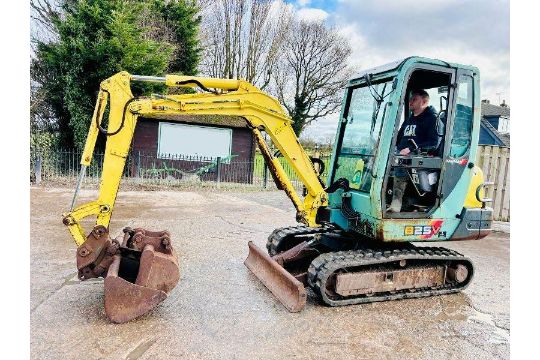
(376, 104)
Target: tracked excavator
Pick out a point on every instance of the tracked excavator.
(348, 247)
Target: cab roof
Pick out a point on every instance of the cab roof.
(409, 61)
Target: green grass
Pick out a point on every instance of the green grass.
(258, 168)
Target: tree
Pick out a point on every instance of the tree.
(310, 80)
(243, 38)
(176, 23)
(43, 14)
(304, 64)
(94, 39)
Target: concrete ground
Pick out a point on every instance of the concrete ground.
(219, 310)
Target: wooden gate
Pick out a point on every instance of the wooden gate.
(495, 163)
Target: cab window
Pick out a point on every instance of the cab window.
(364, 116)
(462, 130)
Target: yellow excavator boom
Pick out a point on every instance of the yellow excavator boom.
(228, 97)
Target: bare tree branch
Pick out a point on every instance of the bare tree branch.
(313, 73)
(243, 38)
(303, 64)
(43, 13)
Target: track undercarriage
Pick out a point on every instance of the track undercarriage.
(342, 270)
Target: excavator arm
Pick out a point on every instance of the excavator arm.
(141, 267)
(227, 97)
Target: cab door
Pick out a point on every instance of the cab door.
(459, 135)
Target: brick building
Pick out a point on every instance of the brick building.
(178, 146)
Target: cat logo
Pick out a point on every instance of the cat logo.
(410, 130)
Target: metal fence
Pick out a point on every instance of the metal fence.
(146, 168)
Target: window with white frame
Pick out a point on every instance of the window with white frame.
(504, 125)
(194, 140)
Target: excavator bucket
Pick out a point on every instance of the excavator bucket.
(139, 272)
(285, 287)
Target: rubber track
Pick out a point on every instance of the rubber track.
(281, 234)
(324, 265)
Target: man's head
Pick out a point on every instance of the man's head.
(418, 101)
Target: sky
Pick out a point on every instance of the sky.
(474, 32)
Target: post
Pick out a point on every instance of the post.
(138, 166)
(265, 175)
(218, 171)
(38, 169)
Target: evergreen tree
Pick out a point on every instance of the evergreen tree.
(98, 38)
(182, 19)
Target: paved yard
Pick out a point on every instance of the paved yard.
(219, 310)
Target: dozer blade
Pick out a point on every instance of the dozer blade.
(289, 291)
(139, 273)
